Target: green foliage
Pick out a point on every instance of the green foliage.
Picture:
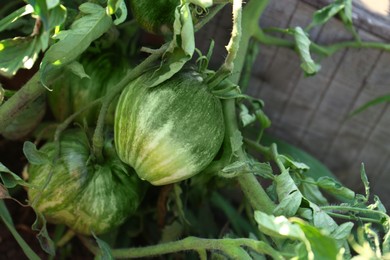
(192, 132)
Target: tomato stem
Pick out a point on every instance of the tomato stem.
(18, 102)
(231, 247)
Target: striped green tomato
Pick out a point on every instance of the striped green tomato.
(170, 132)
(86, 196)
(72, 93)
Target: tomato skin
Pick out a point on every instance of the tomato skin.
(170, 132)
(84, 195)
(72, 93)
(155, 16)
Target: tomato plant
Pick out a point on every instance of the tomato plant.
(148, 151)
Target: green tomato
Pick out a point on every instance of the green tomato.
(86, 196)
(72, 93)
(155, 16)
(170, 132)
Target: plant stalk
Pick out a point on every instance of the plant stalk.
(10, 109)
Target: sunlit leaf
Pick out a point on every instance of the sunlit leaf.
(17, 53)
(75, 41)
(278, 226)
(320, 246)
(119, 9)
(14, 16)
(41, 9)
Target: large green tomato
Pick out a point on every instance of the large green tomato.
(84, 195)
(170, 132)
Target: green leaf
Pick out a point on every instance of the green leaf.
(14, 16)
(294, 164)
(319, 245)
(364, 179)
(41, 9)
(316, 168)
(10, 179)
(17, 53)
(43, 236)
(325, 14)
(290, 198)
(75, 41)
(180, 49)
(278, 226)
(309, 66)
(376, 101)
(117, 7)
(335, 188)
(52, 3)
(311, 191)
(105, 250)
(343, 231)
(33, 155)
(7, 220)
(245, 116)
(78, 69)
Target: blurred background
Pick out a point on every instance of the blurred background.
(312, 112)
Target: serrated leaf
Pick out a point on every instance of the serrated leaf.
(17, 53)
(10, 179)
(309, 66)
(335, 188)
(75, 41)
(7, 220)
(33, 155)
(14, 16)
(180, 49)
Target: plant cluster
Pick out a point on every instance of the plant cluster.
(147, 151)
